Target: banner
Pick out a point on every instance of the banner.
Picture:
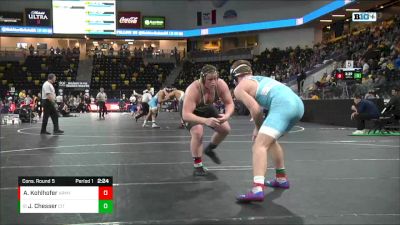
(25, 30)
(38, 17)
(73, 84)
(128, 20)
(12, 18)
(206, 18)
(153, 22)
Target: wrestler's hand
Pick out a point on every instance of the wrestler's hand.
(212, 122)
(222, 118)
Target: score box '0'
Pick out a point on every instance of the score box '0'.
(65, 194)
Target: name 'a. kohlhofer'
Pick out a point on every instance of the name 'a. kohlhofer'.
(40, 192)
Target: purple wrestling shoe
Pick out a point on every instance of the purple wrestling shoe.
(255, 195)
(275, 184)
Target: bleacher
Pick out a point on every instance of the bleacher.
(29, 74)
(127, 73)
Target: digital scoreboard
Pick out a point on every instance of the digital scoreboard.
(349, 74)
(65, 194)
(84, 17)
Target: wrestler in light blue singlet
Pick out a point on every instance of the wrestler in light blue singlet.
(285, 107)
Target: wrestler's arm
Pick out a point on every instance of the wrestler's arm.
(226, 98)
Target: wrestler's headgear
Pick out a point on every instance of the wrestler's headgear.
(240, 67)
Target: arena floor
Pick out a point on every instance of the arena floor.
(335, 178)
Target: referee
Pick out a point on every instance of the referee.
(49, 105)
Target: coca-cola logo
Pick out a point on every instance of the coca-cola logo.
(129, 20)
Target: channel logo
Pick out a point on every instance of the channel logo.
(364, 17)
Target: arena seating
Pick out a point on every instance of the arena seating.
(29, 74)
(127, 73)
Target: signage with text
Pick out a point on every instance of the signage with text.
(12, 18)
(128, 20)
(37, 17)
(364, 17)
(153, 22)
(74, 84)
(25, 30)
(84, 16)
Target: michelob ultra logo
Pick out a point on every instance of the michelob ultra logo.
(37, 17)
(363, 16)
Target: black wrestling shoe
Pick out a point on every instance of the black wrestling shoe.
(213, 156)
(58, 132)
(200, 171)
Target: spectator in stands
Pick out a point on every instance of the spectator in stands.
(77, 103)
(300, 81)
(81, 106)
(1, 105)
(64, 110)
(22, 95)
(49, 105)
(314, 96)
(71, 102)
(397, 62)
(31, 49)
(59, 99)
(198, 110)
(393, 106)
(28, 100)
(101, 102)
(285, 109)
(121, 103)
(58, 51)
(69, 52)
(87, 102)
(363, 110)
(111, 51)
(51, 51)
(371, 95)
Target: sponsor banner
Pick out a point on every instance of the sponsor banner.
(128, 20)
(25, 30)
(151, 33)
(11, 18)
(153, 22)
(38, 17)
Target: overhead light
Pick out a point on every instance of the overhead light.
(338, 15)
(95, 42)
(347, 20)
(328, 27)
(325, 21)
(352, 10)
(129, 40)
(130, 43)
(112, 43)
(381, 7)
